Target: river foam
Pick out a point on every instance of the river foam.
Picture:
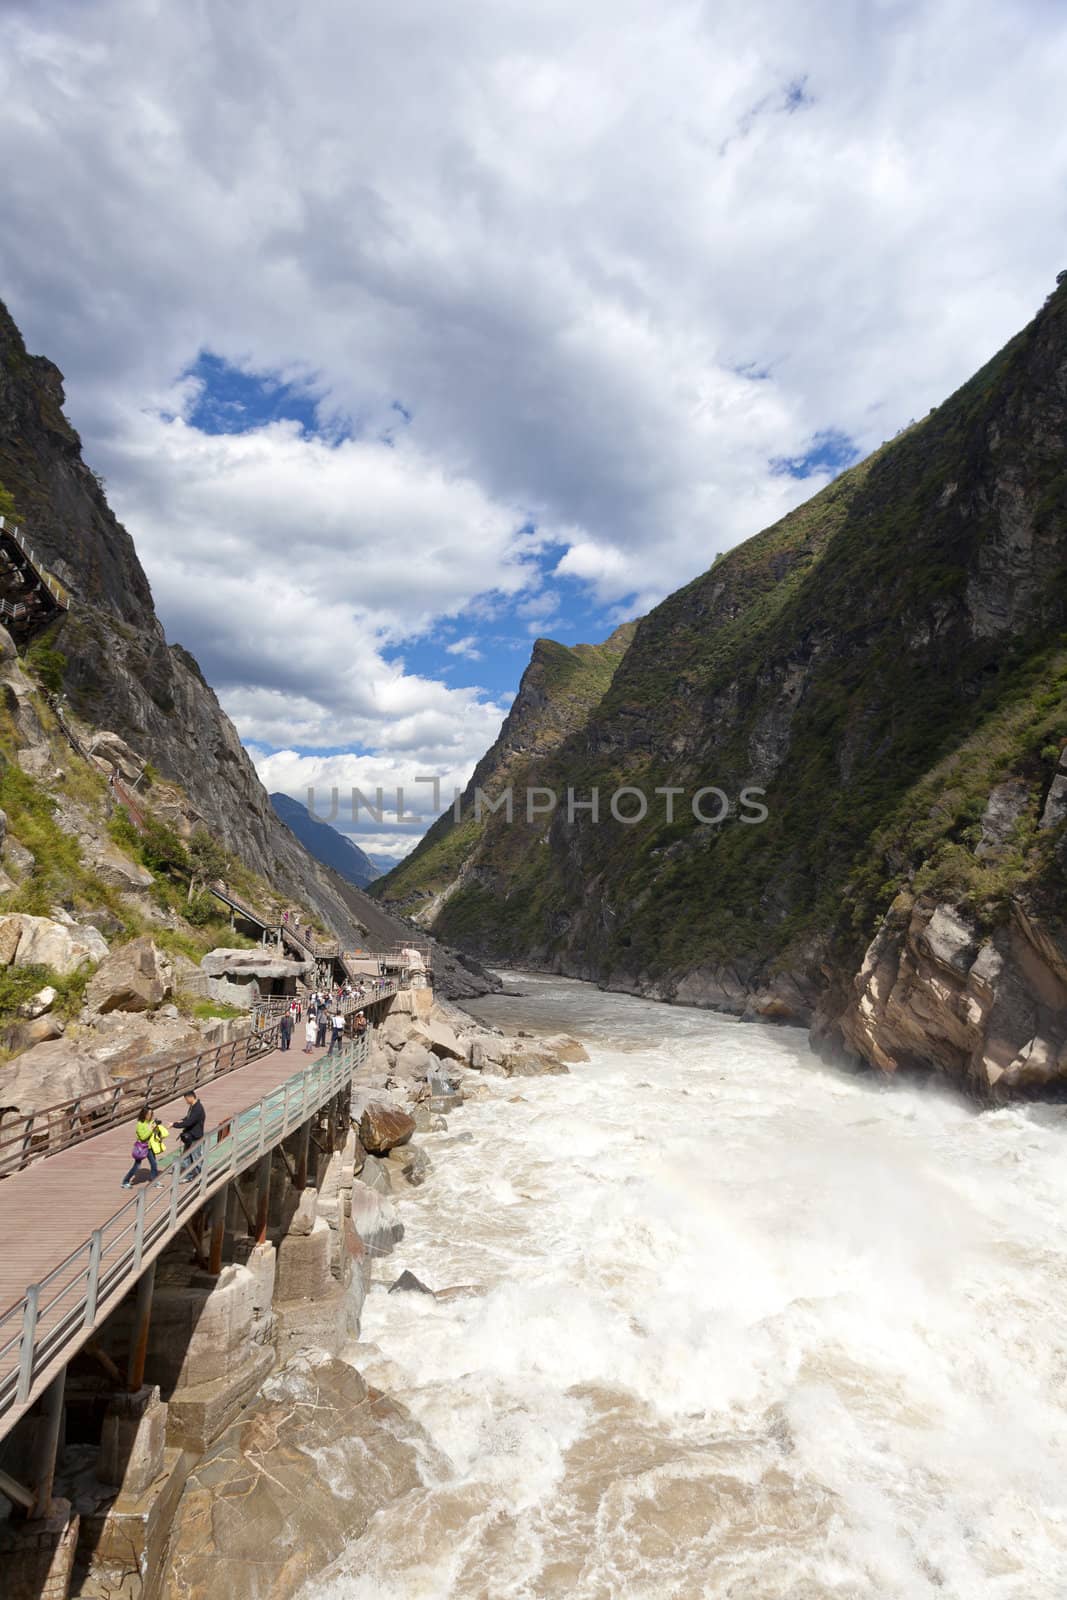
(752, 1328)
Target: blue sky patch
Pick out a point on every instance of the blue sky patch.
(830, 451)
(232, 400)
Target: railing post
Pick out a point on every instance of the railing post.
(93, 1286)
(175, 1180)
(29, 1338)
(138, 1230)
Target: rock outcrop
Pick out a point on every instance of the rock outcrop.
(135, 977)
(289, 1485)
(40, 941)
(990, 1007)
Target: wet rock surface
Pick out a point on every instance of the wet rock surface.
(382, 1128)
(285, 1488)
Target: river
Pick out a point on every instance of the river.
(752, 1328)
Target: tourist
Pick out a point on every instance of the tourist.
(286, 1030)
(310, 1034)
(338, 1036)
(142, 1148)
(323, 1024)
(157, 1139)
(361, 1024)
(191, 1129)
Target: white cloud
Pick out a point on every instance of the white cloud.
(611, 269)
(467, 647)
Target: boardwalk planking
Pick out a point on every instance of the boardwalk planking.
(52, 1207)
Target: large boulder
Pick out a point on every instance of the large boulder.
(395, 1030)
(24, 1035)
(10, 934)
(258, 963)
(114, 754)
(127, 1043)
(382, 1128)
(375, 1219)
(414, 1061)
(136, 977)
(440, 1039)
(114, 868)
(290, 1485)
(44, 942)
(48, 1074)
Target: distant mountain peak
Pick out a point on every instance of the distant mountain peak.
(328, 845)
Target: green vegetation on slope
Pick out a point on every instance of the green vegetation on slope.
(876, 662)
(560, 688)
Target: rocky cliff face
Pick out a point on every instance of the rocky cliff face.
(888, 665)
(121, 674)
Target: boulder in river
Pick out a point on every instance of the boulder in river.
(382, 1128)
(407, 1280)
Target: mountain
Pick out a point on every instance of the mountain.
(333, 849)
(888, 666)
(559, 690)
(118, 671)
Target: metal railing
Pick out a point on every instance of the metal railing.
(219, 889)
(15, 611)
(37, 1134)
(369, 991)
(53, 585)
(326, 951)
(58, 1314)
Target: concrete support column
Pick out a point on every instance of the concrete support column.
(262, 1197)
(46, 1445)
(142, 1321)
(303, 1147)
(218, 1230)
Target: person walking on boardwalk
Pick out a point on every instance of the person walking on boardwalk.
(142, 1148)
(338, 1031)
(310, 1034)
(286, 1030)
(323, 1024)
(157, 1139)
(191, 1128)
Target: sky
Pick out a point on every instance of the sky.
(404, 334)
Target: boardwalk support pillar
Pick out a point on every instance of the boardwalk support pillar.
(218, 1230)
(142, 1320)
(303, 1148)
(262, 1197)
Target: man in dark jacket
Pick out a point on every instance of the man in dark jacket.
(191, 1128)
(285, 1027)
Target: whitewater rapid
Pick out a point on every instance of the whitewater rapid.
(751, 1328)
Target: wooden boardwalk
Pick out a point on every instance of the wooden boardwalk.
(49, 1210)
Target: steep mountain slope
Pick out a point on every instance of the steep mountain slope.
(333, 849)
(120, 673)
(889, 664)
(560, 688)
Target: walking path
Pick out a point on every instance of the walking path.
(50, 1211)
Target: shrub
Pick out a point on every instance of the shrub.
(47, 665)
(162, 850)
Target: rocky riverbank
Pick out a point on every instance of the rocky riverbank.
(301, 1470)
